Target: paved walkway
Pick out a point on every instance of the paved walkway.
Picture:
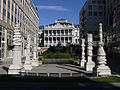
(4, 66)
(57, 68)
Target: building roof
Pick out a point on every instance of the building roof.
(60, 21)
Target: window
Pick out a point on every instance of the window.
(103, 1)
(99, 1)
(100, 7)
(0, 8)
(100, 13)
(8, 3)
(4, 14)
(93, 1)
(95, 14)
(4, 10)
(4, 1)
(90, 13)
(90, 7)
(8, 17)
(90, 32)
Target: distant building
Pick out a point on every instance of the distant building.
(92, 13)
(41, 34)
(59, 32)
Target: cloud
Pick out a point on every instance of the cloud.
(57, 8)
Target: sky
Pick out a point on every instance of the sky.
(51, 10)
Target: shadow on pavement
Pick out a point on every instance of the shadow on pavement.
(5, 68)
(35, 83)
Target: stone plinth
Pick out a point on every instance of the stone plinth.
(16, 66)
(89, 64)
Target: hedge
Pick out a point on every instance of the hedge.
(57, 55)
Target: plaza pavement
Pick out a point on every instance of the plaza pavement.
(57, 68)
(4, 65)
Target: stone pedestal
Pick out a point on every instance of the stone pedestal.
(27, 65)
(35, 55)
(82, 62)
(101, 67)
(89, 64)
(16, 66)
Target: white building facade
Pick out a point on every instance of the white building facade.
(60, 32)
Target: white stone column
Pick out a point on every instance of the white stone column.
(64, 32)
(60, 32)
(89, 64)
(27, 65)
(48, 41)
(16, 66)
(56, 40)
(52, 32)
(82, 62)
(64, 41)
(48, 33)
(101, 67)
(68, 32)
(35, 57)
(52, 40)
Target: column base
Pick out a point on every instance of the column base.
(27, 67)
(35, 63)
(89, 66)
(82, 63)
(14, 69)
(103, 70)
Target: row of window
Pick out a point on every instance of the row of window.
(18, 16)
(96, 13)
(98, 1)
(91, 7)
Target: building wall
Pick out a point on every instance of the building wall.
(113, 20)
(113, 29)
(92, 13)
(21, 12)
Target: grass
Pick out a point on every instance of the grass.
(109, 79)
(112, 79)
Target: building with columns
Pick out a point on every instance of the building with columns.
(60, 32)
(12, 12)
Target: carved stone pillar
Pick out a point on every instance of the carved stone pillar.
(27, 65)
(101, 67)
(35, 57)
(82, 62)
(89, 64)
(16, 66)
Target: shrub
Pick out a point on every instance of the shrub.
(58, 55)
